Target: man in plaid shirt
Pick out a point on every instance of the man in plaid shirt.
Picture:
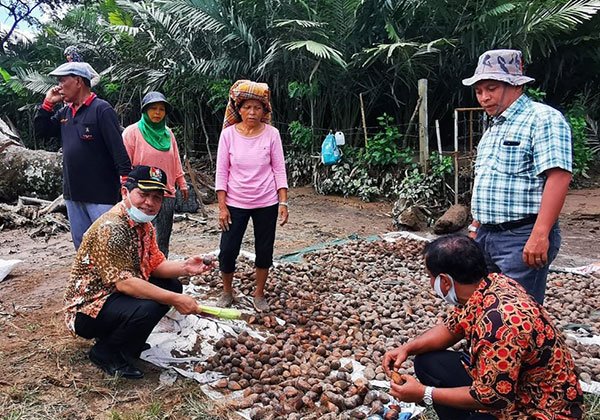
(522, 173)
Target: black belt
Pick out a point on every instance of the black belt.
(529, 220)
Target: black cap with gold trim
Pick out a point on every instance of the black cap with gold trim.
(148, 178)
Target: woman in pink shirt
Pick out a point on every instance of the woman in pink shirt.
(251, 182)
(150, 142)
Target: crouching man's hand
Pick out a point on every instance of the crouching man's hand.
(185, 304)
(199, 264)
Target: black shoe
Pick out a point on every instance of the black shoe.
(133, 357)
(118, 366)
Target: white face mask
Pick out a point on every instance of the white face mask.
(450, 298)
(137, 215)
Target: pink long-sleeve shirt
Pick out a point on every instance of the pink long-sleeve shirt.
(250, 169)
(141, 153)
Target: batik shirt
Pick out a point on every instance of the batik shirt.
(520, 364)
(527, 139)
(113, 249)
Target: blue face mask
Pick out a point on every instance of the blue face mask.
(449, 298)
(137, 215)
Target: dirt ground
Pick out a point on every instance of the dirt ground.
(44, 372)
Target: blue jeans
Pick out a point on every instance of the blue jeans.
(505, 250)
(81, 216)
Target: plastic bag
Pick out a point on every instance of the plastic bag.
(330, 152)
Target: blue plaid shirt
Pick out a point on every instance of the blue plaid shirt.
(527, 139)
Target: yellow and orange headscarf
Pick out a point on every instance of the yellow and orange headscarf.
(243, 90)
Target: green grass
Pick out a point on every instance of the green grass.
(154, 411)
(26, 404)
(592, 406)
(198, 407)
(195, 405)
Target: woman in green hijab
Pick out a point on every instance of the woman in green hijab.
(150, 142)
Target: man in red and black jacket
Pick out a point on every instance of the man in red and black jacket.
(93, 152)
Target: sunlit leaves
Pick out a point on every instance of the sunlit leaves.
(318, 50)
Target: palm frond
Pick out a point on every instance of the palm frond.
(269, 59)
(242, 35)
(593, 135)
(129, 30)
(280, 23)
(386, 52)
(196, 15)
(318, 50)
(495, 12)
(32, 80)
(560, 18)
(340, 15)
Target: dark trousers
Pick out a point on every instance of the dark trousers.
(124, 322)
(264, 220)
(444, 369)
(163, 223)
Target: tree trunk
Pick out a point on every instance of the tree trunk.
(32, 173)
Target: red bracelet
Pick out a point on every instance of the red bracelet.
(47, 105)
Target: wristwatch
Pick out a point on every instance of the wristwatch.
(472, 228)
(428, 396)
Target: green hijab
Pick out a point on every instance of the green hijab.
(156, 134)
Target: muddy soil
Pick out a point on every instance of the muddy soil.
(44, 372)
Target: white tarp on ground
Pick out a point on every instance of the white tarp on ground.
(6, 266)
(181, 342)
(584, 337)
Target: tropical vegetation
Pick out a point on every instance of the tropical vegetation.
(321, 59)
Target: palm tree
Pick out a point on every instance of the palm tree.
(334, 49)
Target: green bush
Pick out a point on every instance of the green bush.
(582, 153)
(382, 149)
(301, 135)
(426, 189)
(299, 167)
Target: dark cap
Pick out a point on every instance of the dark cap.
(154, 97)
(148, 178)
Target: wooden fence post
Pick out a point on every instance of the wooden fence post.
(364, 120)
(423, 125)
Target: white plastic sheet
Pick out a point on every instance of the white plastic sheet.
(6, 266)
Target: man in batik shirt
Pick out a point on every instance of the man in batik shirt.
(517, 365)
(121, 285)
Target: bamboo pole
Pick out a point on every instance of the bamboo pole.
(470, 130)
(423, 125)
(437, 134)
(455, 156)
(364, 120)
